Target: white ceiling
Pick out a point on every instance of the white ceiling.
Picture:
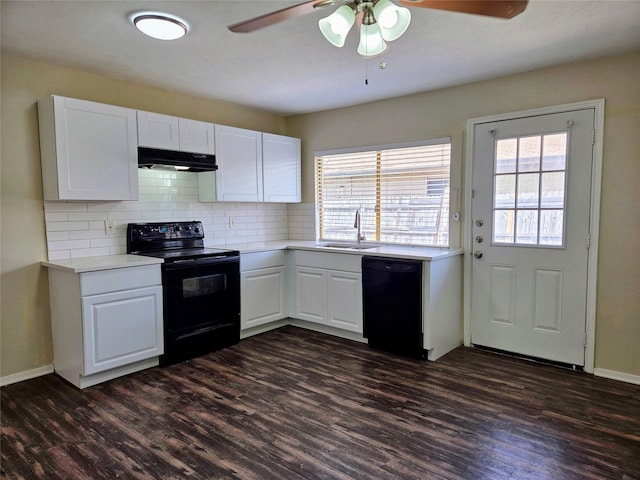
(289, 68)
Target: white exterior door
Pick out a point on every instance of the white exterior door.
(530, 234)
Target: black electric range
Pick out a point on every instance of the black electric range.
(201, 287)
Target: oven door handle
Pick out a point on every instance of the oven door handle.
(197, 262)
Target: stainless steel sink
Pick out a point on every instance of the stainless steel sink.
(354, 246)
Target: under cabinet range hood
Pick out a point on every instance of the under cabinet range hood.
(194, 162)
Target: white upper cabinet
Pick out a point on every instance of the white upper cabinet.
(253, 167)
(88, 150)
(167, 132)
(158, 131)
(281, 168)
(196, 136)
(239, 158)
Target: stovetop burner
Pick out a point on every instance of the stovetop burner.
(190, 253)
(171, 241)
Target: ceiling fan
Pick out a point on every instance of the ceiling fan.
(378, 20)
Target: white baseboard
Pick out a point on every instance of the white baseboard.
(47, 369)
(613, 375)
(26, 375)
(250, 332)
(318, 327)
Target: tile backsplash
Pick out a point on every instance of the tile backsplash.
(77, 229)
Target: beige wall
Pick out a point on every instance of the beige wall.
(24, 317)
(25, 327)
(445, 112)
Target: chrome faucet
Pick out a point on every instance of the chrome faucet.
(356, 224)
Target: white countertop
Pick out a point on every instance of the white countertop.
(418, 253)
(92, 264)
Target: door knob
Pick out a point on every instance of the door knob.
(477, 254)
(479, 238)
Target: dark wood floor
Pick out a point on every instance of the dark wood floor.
(294, 404)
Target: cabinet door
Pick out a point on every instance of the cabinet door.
(121, 328)
(262, 296)
(158, 131)
(344, 300)
(311, 294)
(281, 168)
(239, 156)
(88, 150)
(196, 137)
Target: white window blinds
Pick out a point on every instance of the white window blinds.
(402, 194)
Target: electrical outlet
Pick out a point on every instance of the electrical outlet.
(109, 227)
(232, 222)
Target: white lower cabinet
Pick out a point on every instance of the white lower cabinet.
(105, 323)
(262, 288)
(121, 328)
(262, 296)
(329, 296)
(344, 294)
(311, 294)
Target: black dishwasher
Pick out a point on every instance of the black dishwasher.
(392, 305)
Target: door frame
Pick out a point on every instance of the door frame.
(594, 214)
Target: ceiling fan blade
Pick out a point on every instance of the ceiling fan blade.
(276, 17)
(491, 8)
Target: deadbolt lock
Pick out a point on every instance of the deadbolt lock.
(479, 238)
(479, 223)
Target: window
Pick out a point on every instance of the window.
(402, 192)
(529, 190)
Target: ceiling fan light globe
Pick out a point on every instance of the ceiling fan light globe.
(387, 18)
(393, 20)
(371, 41)
(336, 26)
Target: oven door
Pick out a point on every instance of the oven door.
(201, 295)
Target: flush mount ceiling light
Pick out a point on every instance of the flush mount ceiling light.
(160, 25)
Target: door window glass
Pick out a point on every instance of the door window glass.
(529, 194)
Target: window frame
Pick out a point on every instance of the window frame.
(376, 149)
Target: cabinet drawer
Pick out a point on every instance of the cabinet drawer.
(105, 281)
(257, 260)
(345, 262)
